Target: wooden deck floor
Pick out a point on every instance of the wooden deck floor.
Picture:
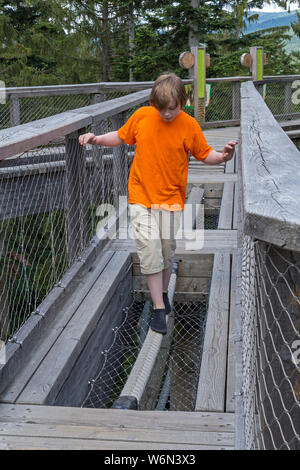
(63, 428)
(212, 425)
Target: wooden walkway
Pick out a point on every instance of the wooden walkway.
(25, 425)
(63, 428)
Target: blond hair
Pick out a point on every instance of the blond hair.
(166, 87)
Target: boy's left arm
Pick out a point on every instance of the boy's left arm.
(214, 158)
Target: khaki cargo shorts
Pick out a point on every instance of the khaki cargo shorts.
(154, 232)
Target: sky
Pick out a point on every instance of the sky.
(276, 8)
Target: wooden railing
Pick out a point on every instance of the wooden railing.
(60, 187)
(268, 333)
(225, 96)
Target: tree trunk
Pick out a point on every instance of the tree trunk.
(193, 31)
(105, 42)
(131, 25)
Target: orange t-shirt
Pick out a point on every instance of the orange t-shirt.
(159, 171)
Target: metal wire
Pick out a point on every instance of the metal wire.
(49, 203)
(271, 346)
(177, 388)
(281, 97)
(20, 110)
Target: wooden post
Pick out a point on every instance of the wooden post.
(99, 183)
(287, 97)
(97, 98)
(76, 200)
(14, 111)
(199, 82)
(257, 66)
(236, 101)
(120, 163)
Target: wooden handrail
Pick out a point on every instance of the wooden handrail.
(24, 137)
(270, 168)
(52, 90)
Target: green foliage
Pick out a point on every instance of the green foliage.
(32, 260)
(88, 41)
(225, 59)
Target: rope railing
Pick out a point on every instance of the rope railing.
(135, 385)
(268, 327)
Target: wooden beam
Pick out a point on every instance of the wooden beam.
(215, 241)
(212, 380)
(195, 177)
(270, 168)
(27, 136)
(35, 327)
(56, 367)
(27, 426)
(64, 310)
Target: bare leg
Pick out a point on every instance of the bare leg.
(155, 284)
(166, 277)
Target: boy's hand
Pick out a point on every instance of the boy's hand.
(228, 150)
(86, 138)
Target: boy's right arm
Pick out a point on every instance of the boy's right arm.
(111, 139)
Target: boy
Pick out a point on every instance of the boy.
(164, 135)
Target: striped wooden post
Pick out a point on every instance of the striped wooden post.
(257, 66)
(199, 82)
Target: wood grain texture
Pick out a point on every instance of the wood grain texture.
(55, 325)
(50, 376)
(270, 172)
(27, 136)
(212, 380)
(44, 427)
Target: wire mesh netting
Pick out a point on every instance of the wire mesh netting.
(212, 204)
(22, 110)
(49, 213)
(271, 346)
(174, 380)
(281, 97)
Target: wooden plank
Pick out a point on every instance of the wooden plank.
(91, 360)
(42, 414)
(55, 368)
(215, 241)
(236, 203)
(48, 443)
(115, 106)
(27, 136)
(217, 138)
(226, 209)
(271, 190)
(101, 434)
(195, 177)
(212, 380)
(27, 426)
(64, 313)
(230, 381)
(36, 325)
